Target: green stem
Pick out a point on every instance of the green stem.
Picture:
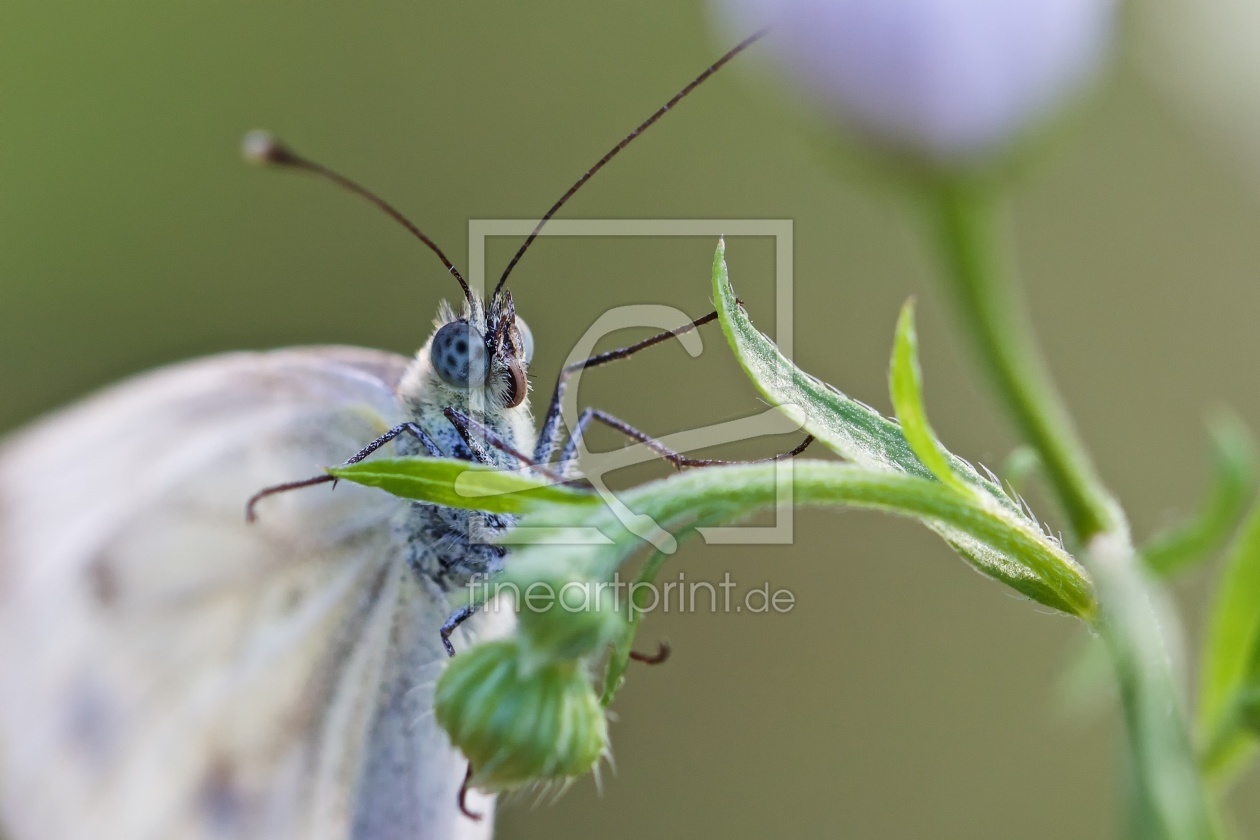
(738, 491)
(619, 657)
(1171, 799)
(966, 225)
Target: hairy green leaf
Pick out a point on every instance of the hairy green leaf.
(863, 436)
(906, 387)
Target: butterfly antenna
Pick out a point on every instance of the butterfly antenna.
(261, 147)
(612, 153)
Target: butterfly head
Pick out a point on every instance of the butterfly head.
(484, 347)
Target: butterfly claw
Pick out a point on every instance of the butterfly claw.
(463, 796)
(452, 622)
(662, 653)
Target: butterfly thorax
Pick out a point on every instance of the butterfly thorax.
(452, 546)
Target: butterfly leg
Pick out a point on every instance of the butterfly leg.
(549, 434)
(662, 653)
(463, 796)
(475, 436)
(675, 458)
(452, 623)
(470, 430)
(403, 428)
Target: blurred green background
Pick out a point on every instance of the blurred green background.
(904, 696)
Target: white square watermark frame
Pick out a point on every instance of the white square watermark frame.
(480, 230)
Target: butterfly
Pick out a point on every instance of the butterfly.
(171, 670)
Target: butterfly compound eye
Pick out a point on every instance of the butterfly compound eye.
(458, 354)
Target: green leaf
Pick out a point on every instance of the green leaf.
(861, 435)
(1232, 638)
(855, 431)
(447, 481)
(851, 429)
(1234, 481)
(906, 388)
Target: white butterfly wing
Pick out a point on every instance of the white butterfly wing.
(168, 671)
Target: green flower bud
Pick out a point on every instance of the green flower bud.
(568, 619)
(518, 723)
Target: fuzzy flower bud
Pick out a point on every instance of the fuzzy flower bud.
(518, 724)
(946, 81)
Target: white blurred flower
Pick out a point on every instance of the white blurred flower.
(947, 80)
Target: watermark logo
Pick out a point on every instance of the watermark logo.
(657, 318)
(633, 597)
